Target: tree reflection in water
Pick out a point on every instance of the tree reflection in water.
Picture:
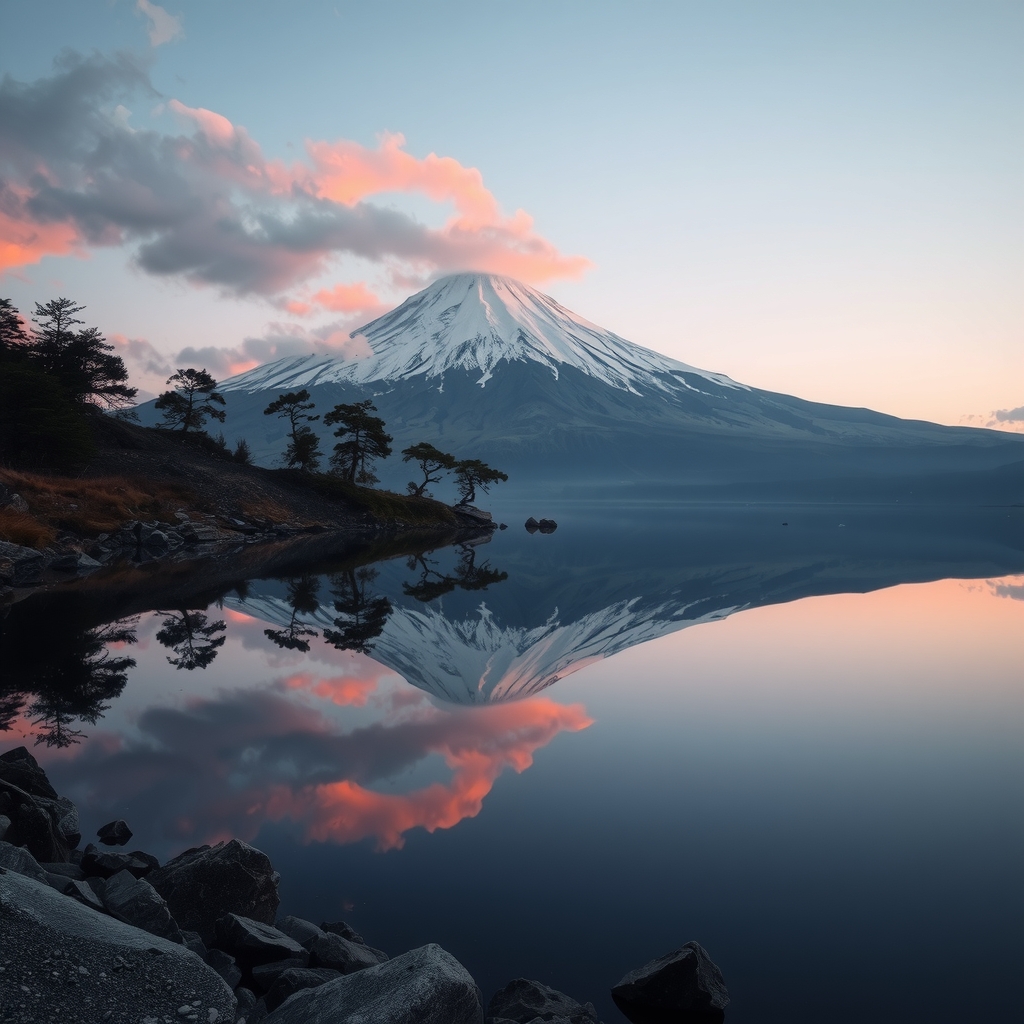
(62, 674)
(303, 596)
(467, 576)
(361, 614)
(192, 638)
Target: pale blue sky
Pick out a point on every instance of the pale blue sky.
(822, 199)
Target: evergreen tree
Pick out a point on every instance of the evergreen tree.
(363, 440)
(303, 597)
(192, 638)
(242, 452)
(191, 402)
(433, 465)
(304, 446)
(13, 337)
(361, 615)
(81, 360)
(471, 474)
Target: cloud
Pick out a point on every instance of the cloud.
(999, 419)
(281, 341)
(342, 298)
(225, 766)
(163, 27)
(140, 355)
(1009, 415)
(1005, 588)
(207, 206)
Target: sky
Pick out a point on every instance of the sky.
(825, 200)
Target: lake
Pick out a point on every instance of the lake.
(793, 734)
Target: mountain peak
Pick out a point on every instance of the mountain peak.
(474, 322)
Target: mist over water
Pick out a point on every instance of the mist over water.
(793, 734)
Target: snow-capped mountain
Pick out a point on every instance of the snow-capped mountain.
(484, 367)
(474, 322)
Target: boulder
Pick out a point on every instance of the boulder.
(192, 940)
(67, 870)
(295, 980)
(303, 932)
(531, 524)
(134, 901)
(526, 1001)
(341, 954)
(246, 1002)
(684, 985)
(21, 769)
(32, 827)
(547, 526)
(26, 565)
(224, 964)
(17, 858)
(65, 962)
(253, 942)
(114, 833)
(64, 815)
(264, 975)
(204, 884)
(346, 931)
(5, 825)
(84, 893)
(424, 986)
(98, 863)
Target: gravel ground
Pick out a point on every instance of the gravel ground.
(58, 975)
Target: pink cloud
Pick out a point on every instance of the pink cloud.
(207, 205)
(341, 690)
(342, 298)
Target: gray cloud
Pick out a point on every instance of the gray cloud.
(1010, 415)
(204, 205)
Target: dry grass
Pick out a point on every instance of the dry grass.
(87, 506)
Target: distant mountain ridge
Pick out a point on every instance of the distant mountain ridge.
(486, 367)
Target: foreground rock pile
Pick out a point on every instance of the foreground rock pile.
(94, 935)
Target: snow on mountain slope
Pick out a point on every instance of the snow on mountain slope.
(479, 661)
(474, 322)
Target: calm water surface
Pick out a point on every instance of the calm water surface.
(560, 756)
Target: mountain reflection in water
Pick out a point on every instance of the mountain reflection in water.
(317, 733)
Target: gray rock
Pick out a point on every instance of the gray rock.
(96, 964)
(67, 870)
(526, 1001)
(204, 884)
(246, 1002)
(295, 980)
(84, 893)
(192, 940)
(303, 932)
(341, 955)
(547, 526)
(64, 815)
(5, 824)
(21, 769)
(104, 864)
(33, 827)
(532, 525)
(684, 985)
(134, 901)
(424, 986)
(157, 542)
(27, 564)
(344, 930)
(264, 975)
(17, 858)
(224, 964)
(252, 942)
(114, 833)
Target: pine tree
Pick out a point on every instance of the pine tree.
(13, 336)
(304, 446)
(191, 402)
(433, 465)
(363, 440)
(471, 474)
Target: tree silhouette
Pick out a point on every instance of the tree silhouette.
(433, 465)
(191, 402)
(303, 446)
(363, 440)
(192, 638)
(13, 337)
(467, 576)
(471, 474)
(59, 674)
(361, 615)
(303, 597)
(81, 360)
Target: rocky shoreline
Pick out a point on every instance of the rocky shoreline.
(95, 935)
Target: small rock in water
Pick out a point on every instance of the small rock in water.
(682, 986)
(114, 833)
(547, 526)
(532, 526)
(524, 1001)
